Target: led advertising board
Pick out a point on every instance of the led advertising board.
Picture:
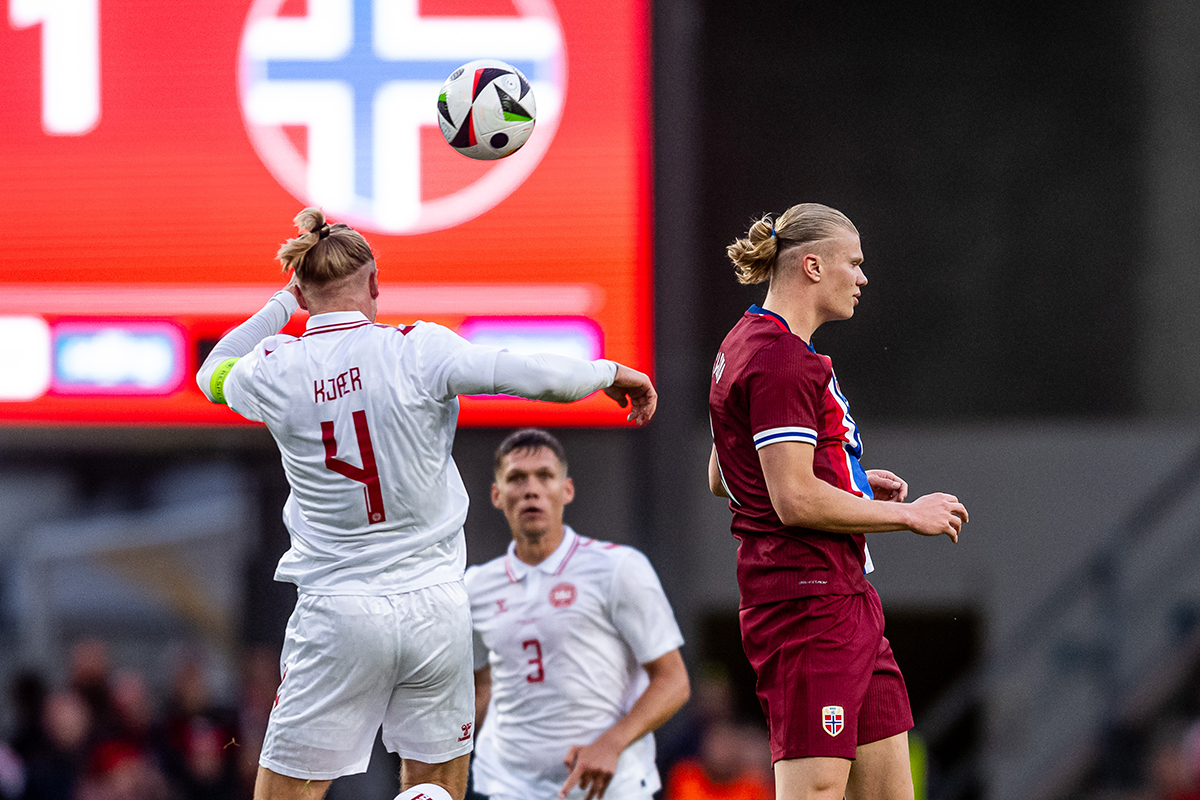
(155, 153)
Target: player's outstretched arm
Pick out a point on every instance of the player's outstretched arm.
(803, 500)
(592, 766)
(558, 379)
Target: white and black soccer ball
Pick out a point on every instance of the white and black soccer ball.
(486, 109)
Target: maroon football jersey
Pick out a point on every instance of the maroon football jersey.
(768, 386)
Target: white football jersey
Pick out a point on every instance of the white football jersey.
(565, 641)
(364, 416)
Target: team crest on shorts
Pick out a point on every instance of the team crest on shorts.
(562, 595)
(833, 719)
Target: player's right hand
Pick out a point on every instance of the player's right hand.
(592, 768)
(936, 514)
(293, 286)
(639, 390)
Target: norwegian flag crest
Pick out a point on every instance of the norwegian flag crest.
(337, 102)
(833, 719)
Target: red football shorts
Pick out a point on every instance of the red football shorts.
(827, 679)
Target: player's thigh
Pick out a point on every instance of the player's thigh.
(431, 712)
(885, 710)
(811, 778)
(338, 661)
(881, 771)
(814, 658)
(450, 775)
(273, 786)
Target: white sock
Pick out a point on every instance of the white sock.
(425, 791)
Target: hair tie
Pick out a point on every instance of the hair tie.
(322, 232)
(772, 230)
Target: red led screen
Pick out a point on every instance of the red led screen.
(155, 153)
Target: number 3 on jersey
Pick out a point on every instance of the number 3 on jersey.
(539, 672)
(367, 474)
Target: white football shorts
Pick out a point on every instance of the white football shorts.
(351, 663)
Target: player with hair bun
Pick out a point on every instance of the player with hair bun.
(364, 416)
(786, 453)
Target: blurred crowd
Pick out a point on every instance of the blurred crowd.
(102, 736)
(106, 734)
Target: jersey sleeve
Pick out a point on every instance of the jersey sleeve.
(449, 365)
(640, 610)
(239, 386)
(783, 391)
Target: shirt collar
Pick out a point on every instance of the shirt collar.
(757, 309)
(762, 312)
(551, 565)
(331, 318)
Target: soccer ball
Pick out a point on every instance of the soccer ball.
(486, 109)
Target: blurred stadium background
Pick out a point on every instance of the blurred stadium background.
(1026, 177)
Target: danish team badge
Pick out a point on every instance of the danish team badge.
(562, 595)
(833, 719)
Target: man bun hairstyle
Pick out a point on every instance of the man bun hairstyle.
(323, 253)
(754, 257)
(529, 439)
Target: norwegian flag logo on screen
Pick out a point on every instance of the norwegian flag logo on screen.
(340, 101)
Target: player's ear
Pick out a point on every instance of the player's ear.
(568, 491)
(300, 298)
(496, 496)
(373, 284)
(810, 265)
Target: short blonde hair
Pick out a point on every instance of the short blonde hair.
(323, 253)
(755, 256)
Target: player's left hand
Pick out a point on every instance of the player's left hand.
(592, 767)
(640, 392)
(887, 486)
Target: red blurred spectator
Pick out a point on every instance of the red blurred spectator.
(89, 676)
(729, 767)
(122, 771)
(200, 746)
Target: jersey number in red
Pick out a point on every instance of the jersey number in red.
(539, 673)
(367, 474)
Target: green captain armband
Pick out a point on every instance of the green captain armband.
(217, 385)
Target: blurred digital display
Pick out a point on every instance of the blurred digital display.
(578, 338)
(118, 358)
(156, 153)
(25, 357)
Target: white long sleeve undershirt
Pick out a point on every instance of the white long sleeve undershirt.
(546, 376)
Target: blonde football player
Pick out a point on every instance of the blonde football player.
(364, 416)
(576, 648)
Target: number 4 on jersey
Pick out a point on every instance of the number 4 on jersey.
(367, 474)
